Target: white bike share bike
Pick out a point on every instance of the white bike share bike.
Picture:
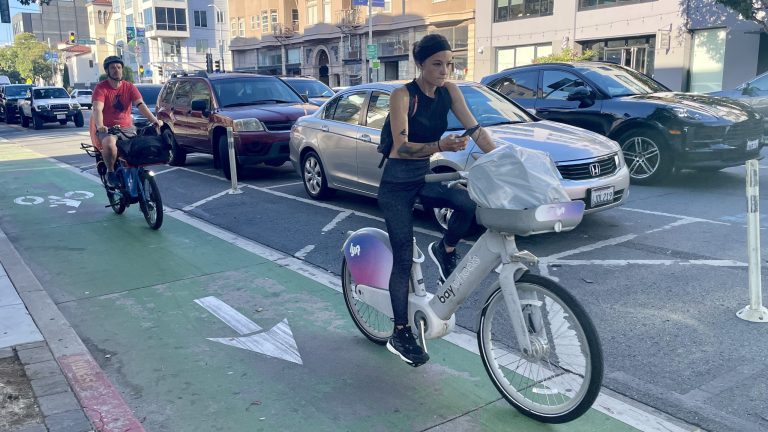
(537, 343)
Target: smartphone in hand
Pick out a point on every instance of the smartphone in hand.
(470, 131)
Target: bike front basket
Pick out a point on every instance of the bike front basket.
(554, 217)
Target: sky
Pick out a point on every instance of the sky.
(6, 30)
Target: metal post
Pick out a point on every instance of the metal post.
(232, 162)
(368, 73)
(755, 311)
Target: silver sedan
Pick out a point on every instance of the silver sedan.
(335, 148)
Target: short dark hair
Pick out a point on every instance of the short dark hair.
(428, 46)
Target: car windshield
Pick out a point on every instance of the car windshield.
(50, 93)
(150, 93)
(84, 93)
(489, 109)
(253, 91)
(618, 81)
(311, 88)
(16, 91)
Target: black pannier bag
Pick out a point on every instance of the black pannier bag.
(145, 150)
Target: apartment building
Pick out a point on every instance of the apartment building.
(54, 22)
(689, 45)
(327, 39)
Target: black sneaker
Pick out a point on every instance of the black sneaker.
(446, 262)
(403, 343)
(112, 180)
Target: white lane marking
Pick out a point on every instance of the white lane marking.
(332, 224)
(27, 169)
(166, 170)
(675, 224)
(283, 185)
(544, 262)
(304, 251)
(618, 262)
(205, 200)
(202, 173)
(237, 321)
(28, 200)
(693, 219)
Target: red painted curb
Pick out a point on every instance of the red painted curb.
(100, 400)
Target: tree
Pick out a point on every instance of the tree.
(566, 55)
(28, 2)
(25, 58)
(65, 78)
(751, 10)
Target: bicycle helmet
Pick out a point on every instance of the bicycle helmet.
(112, 59)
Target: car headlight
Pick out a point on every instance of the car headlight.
(693, 114)
(42, 107)
(75, 106)
(248, 125)
(619, 159)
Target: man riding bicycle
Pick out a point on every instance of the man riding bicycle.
(112, 99)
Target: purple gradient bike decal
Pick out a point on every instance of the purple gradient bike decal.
(369, 257)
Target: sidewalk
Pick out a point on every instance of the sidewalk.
(163, 328)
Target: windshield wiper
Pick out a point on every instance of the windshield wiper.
(504, 122)
(275, 101)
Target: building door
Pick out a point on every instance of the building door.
(322, 61)
(634, 57)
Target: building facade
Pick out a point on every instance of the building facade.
(328, 39)
(689, 45)
(54, 22)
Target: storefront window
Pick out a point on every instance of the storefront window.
(520, 56)
(707, 60)
(507, 10)
(594, 4)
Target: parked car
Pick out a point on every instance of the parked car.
(83, 97)
(10, 95)
(4, 80)
(753, 92)
(658, 130)
(261, 110)
(149, 94)
(335, 148)
(314, 90)
(47, 105)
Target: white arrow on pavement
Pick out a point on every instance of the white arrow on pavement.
(276, 342)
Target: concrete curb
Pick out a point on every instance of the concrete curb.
(100, 401)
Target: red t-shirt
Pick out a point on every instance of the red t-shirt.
(117, 102)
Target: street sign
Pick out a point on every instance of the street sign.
(51, 56)
(86, 42)
(140, 33)
(373, 51)
(374, 3)
(130, 33)
(376, 64)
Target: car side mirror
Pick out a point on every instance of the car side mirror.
(581, 93)
(202, 106)
(748, 90)
(304, 97)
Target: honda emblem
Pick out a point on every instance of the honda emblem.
(594, 169)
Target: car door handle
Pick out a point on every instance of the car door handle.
(365, 137)
(324, 128)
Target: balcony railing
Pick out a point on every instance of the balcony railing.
(349, 19)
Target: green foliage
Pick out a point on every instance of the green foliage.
(28, 2)
(566, 55)
(65, 78)
(752, 10)
(24, 59)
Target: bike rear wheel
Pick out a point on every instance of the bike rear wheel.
(560, 378)
(150, 202)
(115, 199)
(374, 324)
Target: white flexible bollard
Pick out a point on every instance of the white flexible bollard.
(755, 311)
(232, 162)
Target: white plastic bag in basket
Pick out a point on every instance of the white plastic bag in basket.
(514, 177)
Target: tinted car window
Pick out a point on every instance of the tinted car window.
(760, 83)
(519, 85)
(84, 92)
(349, 107)
(253, 91)
(378, 108)
(167, 96)
(488, 108)
(149, 94)
(50, 93)
(183, 93)
(311, 88)
(15, 91)
(330, 107)
(556, 85)
(618, 81)
(200, 91)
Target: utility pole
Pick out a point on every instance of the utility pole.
(221, 34)
(370, 41)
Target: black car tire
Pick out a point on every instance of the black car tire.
(79, 120)
(62, 122)
(647, 155)
(224, 158)
(178, 155)
(313, 177)
(37, 121)
(24, 120)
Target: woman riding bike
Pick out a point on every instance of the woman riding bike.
(418, 118)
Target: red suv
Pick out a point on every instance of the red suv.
(261, 110)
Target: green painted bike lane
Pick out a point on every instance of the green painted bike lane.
(129, 292)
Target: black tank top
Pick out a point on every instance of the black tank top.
(430, 117)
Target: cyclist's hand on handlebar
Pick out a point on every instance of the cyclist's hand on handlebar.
(453, 142)
(158, 126)
(102, 129)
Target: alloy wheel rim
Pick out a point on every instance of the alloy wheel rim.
(312, 176)
(642, 157)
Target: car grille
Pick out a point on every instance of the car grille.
(55, 107)
(738, 134)
(278, 126)
(588, 170)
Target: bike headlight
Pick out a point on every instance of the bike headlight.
(693, 114)
(42, 107)
(248, 125)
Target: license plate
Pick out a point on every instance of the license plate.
(752, 144)
(601, 196)
(61, 116)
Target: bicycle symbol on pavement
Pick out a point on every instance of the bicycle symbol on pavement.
(70, 199)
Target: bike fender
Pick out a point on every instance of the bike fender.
(369, 257)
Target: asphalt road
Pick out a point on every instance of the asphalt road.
(662, 277)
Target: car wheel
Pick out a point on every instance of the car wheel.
(178, 155)
(38, 121)
(647, 155)
(224, 158)
(24, 121)
(313, 177)
(79, 120)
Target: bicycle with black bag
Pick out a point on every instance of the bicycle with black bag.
(136, 183)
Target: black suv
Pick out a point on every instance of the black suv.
(9, 100)
(658, 130)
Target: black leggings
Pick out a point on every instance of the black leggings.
(396, 200)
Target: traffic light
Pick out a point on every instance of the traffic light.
(141, 70)
(72, 37)
(160, 70)
(217, 65)
(209, 63)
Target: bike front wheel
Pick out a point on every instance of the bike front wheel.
(115, 199)
(560, 378)
(374, 324)
(151, 202)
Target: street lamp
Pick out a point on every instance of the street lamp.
(221, 34)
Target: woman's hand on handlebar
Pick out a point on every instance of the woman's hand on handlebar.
(158, 126)
(453, 142)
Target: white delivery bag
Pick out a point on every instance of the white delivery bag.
(514, 177)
